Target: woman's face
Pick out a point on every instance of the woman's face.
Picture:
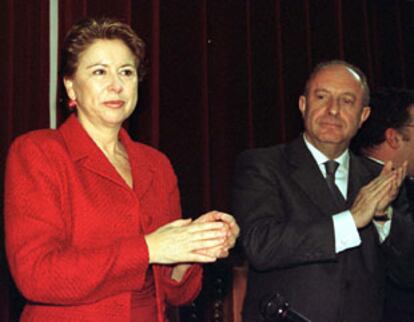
(105, 84)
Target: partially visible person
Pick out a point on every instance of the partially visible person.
(311, 212)
(92, 218)
(388, 135)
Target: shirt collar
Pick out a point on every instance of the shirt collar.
(376, 160)
(321, 158)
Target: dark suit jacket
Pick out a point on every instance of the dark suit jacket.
(283, 205)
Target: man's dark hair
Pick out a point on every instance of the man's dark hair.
(389, 109)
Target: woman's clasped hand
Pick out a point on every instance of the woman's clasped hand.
(203, 240)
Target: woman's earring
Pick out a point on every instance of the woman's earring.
(72, 104)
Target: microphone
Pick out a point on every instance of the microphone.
(275, 308)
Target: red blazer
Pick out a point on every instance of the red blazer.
(73, 226)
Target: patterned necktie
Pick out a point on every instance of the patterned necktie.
(331, 167)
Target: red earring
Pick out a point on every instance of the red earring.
(72, 104)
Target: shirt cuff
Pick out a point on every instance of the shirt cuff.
(346, 233)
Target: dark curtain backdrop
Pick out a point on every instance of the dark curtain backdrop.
(225, 75)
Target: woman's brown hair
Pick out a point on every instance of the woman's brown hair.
(84, 33)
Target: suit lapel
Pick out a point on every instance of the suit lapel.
(358, 176)
(87, 154)
(309, 178)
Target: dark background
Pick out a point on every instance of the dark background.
(225, 75)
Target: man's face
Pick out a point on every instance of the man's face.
(406, 148)
(332, 109)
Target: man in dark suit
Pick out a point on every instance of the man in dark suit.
(388, 135)
(313, 230)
